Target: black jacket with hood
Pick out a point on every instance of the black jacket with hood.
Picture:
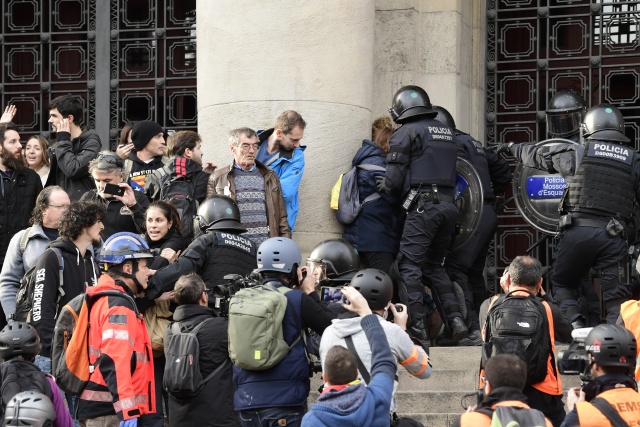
(194, 173)
(137, 171)
(171, 241)
(120, 217)
(213, 406)
(78, 273)
(70, 162)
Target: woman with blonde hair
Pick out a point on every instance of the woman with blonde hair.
(376, 230)
(37, 158)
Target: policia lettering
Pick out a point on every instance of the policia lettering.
(610, 151)
(226, 239)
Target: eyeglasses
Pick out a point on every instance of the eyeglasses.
(61, 207)
(246, 147)
(112, 159)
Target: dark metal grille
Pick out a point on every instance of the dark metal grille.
(127, 59)
(536, 47)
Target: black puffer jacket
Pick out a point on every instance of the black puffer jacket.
(171, 241)
(17, 199)
(119, 217)
(214, 405)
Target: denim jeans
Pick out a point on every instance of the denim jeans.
(44, 363)
(270, 417)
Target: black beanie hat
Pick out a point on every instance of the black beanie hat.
(142, 133)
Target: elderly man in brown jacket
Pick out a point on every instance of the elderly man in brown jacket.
(255, 188)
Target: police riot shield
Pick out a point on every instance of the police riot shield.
(537, 193)
(469, 198)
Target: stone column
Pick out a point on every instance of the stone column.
(259, 58)
(438, 45)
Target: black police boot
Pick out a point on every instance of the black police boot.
(458, 328)
(416, 329)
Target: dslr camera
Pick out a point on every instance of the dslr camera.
(220, 295)
(575, 360)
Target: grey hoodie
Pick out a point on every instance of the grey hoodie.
(410, 356)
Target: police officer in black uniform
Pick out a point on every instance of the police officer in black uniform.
(213, 255)
(564, 115)
(603, 181)
(421, 165)
(465, 264)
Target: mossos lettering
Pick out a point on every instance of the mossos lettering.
(545, 186)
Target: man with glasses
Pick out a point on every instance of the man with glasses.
(125, 211)
(26, 246)
(255, 188)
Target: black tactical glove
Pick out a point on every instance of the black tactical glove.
(499, 202)
(380, 184)
(504, 147)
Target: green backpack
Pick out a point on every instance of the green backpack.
(509, 416)
(256, 340)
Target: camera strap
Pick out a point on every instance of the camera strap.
(363, 371)
(609, 411)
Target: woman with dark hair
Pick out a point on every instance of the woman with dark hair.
(376, 230)
(26, 246)
(164, 234)
(125, 145)
(37, 158)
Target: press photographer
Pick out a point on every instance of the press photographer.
(609, 395)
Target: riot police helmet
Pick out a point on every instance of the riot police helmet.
(29, 408)
(278, 254)
(375, 286)
(334, 259)
(604, 122)
(219, 212)
(124, 246)
(410, 101)
(565, 113)
(612, 345)
(19, 339)
(444, 116)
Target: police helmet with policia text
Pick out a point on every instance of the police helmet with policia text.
(29, 408)
(612, 345)
(19, 339)
(604, 122)
(410, 101)
(375, 286)
(564, 113)
(218, 213)
(337, 260)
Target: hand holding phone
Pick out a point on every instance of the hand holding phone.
(114, 189)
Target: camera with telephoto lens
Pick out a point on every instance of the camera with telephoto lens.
(575, 360)
(220, 295)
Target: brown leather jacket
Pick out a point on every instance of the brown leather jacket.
(222, 179)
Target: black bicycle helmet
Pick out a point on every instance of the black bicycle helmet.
(612, 345)
(375, 286)
(19, 339)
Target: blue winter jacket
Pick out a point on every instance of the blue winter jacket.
(360, 405)
(377, 227)
(289, 166)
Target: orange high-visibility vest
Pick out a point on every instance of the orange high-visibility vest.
(625, 400)
(630, 312)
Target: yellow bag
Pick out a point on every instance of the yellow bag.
(335, 193)
(157, 319)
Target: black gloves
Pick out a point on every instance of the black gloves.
(504, 147)
(380, 184)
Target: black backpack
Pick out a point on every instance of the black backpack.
(24, 297)
(18, 375)
(518, 324)
(180, 191)
(182, 376)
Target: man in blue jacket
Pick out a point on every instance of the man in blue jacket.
(280, 150)
(346, 401)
